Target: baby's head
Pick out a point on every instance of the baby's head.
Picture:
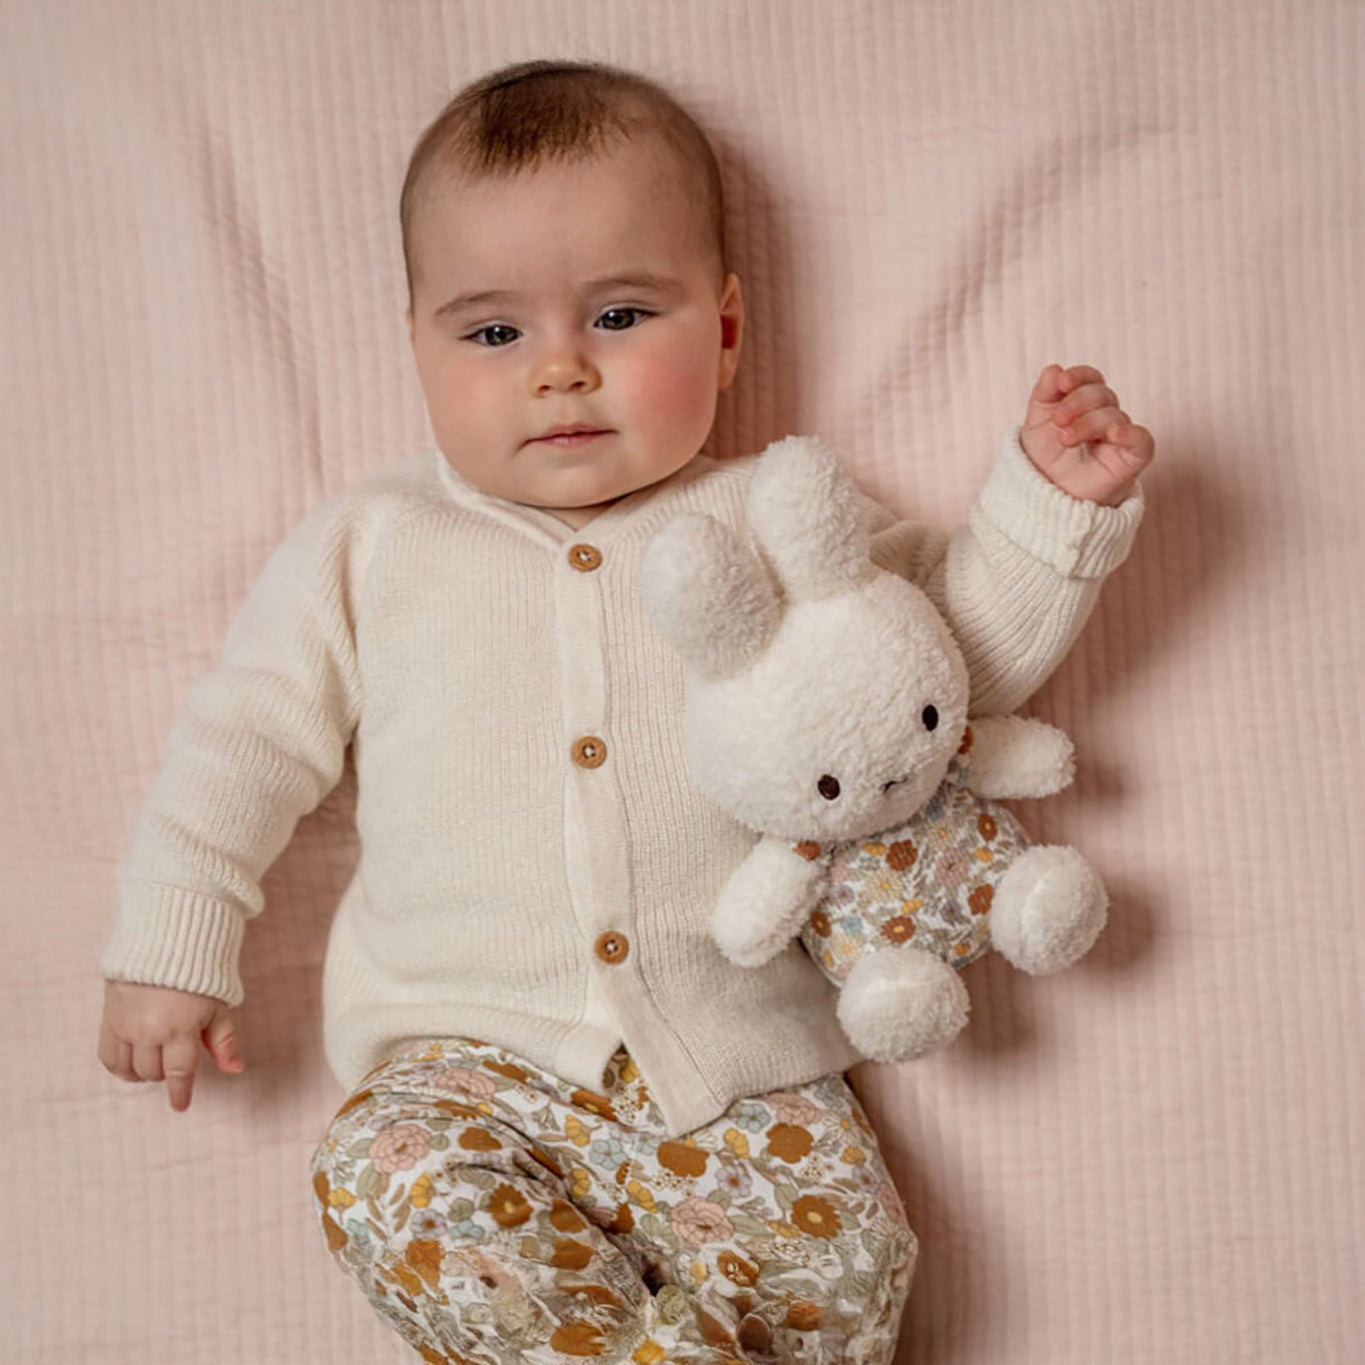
(562, 231)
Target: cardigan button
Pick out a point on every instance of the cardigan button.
(612, 946)
(590, 752)
(585, 558)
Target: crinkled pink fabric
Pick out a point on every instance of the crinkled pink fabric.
(1155, 1157)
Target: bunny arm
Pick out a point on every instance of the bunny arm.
(767, 899)
(1013, 756)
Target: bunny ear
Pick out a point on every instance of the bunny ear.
(708, 595)
(803, 510)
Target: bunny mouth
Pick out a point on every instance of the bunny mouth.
(895, 782)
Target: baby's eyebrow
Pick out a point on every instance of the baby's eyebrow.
(635, 279)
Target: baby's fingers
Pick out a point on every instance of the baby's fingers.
(116, 1055)
(220, 1037)
(147, 1061)
(1091, 426)
(180, 1059)
(1137, 443)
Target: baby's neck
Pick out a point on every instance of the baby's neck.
(578, 516)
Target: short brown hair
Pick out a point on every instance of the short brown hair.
(518, 116)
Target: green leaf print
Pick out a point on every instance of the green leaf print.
(857, 1285)
(439, 1142)
(371, 1183)
(786, 1195)
(749, 1225)
(652, 1225)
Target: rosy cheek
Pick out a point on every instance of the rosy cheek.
(676, 382)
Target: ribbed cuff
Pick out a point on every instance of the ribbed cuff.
(166, 936)
(1077, 538)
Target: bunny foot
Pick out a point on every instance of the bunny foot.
(1048, 910)
(900, 1002)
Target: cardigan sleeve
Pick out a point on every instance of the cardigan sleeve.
(1019, 580)
(260, 741)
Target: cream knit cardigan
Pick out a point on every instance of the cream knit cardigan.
(516, 885)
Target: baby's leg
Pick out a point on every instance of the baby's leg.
(783, 1223)
(453, 1187)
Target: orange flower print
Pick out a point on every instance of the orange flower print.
(736, 1269)
(594, 1293)
(570, 1254)
(698, 1220)
(400, 1147)
(425, 1258)
(803, 1315)
(622, 1220)
(479, 1140)
(508, 1207)
(815, 1216)
(565, 1218)
(336, 1234)
(980, 899)
(578, 1339)
(594, 1104)
(985, 824)
(508, 1069)
(901, 855)
(819, 921)
(789, 1141)
(681, 1159)
(899, 928)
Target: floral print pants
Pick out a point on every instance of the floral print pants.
(495, 1214)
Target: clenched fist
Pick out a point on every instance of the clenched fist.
(1080, 439)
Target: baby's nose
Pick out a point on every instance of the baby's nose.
(567, 371)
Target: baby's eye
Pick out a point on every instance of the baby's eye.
(616, 313)
(506, 334)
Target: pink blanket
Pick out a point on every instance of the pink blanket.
(1154, 1158)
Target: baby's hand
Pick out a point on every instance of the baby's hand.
(152, 1033)
(1078, 437)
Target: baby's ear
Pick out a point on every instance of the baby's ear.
(709, 597)
(804, 513)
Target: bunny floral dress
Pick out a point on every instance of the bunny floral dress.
(928, 883)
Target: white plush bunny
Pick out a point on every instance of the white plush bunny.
(826, 708)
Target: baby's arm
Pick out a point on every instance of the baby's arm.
(259, 743)
(1018, 582)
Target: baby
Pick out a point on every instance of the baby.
(574, 1128)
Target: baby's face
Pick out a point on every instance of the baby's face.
(570, 295)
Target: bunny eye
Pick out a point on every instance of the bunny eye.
(930, 717)
(828, 787)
